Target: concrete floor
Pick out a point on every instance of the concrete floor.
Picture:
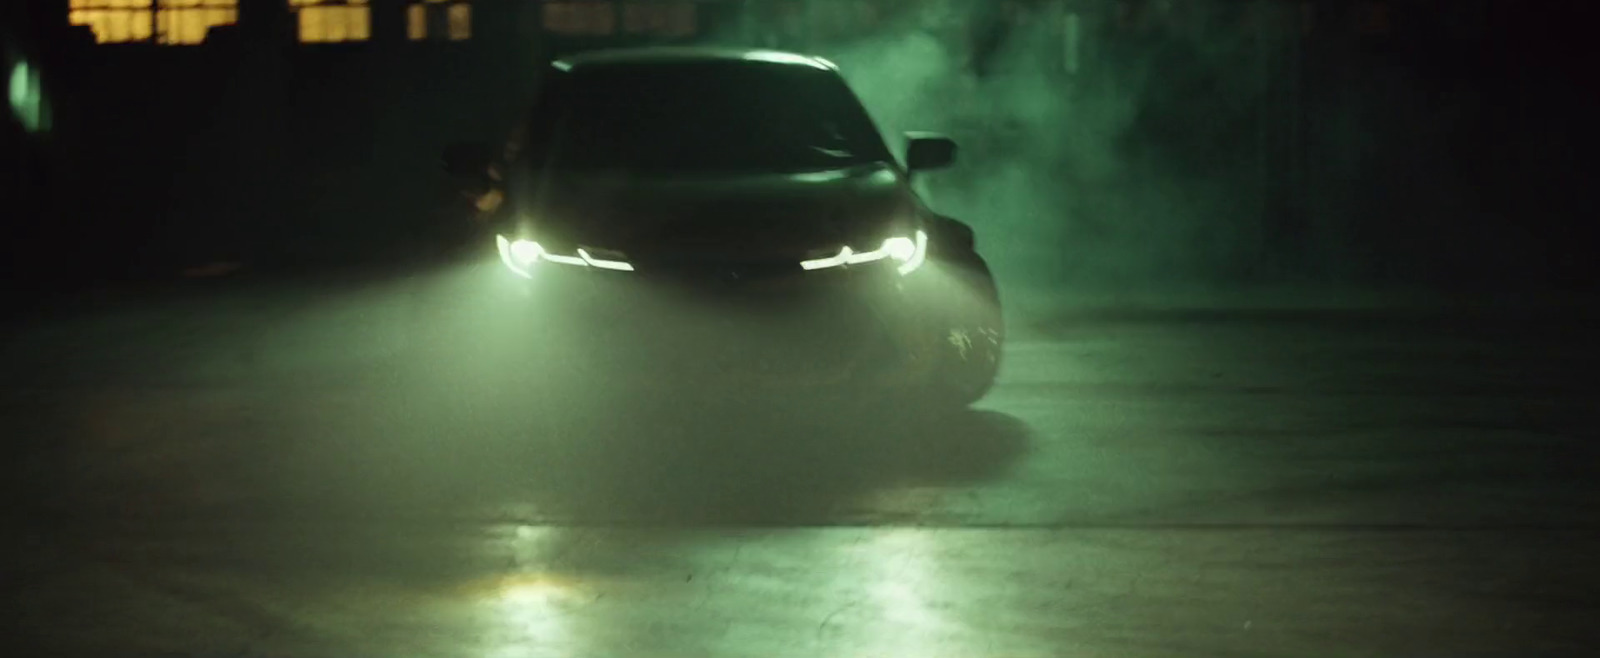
(304, 470)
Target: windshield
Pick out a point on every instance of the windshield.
(702, 117)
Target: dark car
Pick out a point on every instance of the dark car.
(733, 219)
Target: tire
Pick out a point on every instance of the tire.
(974, 335)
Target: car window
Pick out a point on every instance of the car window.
(703, 117)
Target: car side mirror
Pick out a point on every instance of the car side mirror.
(468, 160)
(929, 151)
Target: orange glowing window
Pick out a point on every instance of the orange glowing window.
(580, 17)
(439, 19)
(332, 21)
(167, 22)
(188, 21)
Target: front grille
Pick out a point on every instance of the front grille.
(729, 273)
(721, 321)
(779, 338)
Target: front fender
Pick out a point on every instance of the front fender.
(954, 242)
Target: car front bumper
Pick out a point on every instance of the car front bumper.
(864, 326)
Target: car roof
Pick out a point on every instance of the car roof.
(657, 55)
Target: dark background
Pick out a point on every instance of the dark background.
(1443, 146)
(341, 465)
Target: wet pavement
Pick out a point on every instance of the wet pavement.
(318, 470)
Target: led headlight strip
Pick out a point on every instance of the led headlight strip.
(909, 253)
(520, 255)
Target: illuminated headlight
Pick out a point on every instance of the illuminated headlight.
(907, 253)
(521, 255)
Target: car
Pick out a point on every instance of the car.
(733, 219)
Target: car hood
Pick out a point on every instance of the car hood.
(724, 217)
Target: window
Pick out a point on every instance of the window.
(188, 21)
(171, 22)
(580, 17)
(114, 21)
(332, 21)
(439, 19)
(702, 117)
(665, 17)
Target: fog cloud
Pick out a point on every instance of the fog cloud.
(1084, 162)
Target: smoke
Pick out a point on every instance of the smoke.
(1085, 162)
(1121, 146)
(1028, 146)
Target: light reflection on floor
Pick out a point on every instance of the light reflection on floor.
(1151, 490)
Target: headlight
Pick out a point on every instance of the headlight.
(907, 253)
(520, 256)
